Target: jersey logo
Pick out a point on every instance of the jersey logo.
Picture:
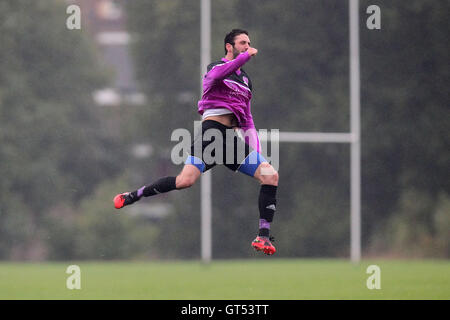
(271, 207)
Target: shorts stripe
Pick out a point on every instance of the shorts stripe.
(196, 162)
(251, 163)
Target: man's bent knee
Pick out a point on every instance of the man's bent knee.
(187, 177)
(183, 182)
(266, 174)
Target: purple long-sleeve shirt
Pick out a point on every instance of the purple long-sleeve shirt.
(224, 86)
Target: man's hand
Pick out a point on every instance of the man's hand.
(252, 51)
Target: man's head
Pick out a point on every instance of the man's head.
(236, 42)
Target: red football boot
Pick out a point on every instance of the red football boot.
(264, 244)
(124, 199)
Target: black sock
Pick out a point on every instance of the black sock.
(267, 205)
(163, 185)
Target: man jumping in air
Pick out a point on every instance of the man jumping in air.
(225, 108)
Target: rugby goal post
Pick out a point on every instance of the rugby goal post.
(354, 137)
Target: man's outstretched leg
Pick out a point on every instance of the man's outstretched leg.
(267, 201)
(185, 179)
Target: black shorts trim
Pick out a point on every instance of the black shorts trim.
(234, 149)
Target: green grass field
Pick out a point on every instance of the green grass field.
(295, 279)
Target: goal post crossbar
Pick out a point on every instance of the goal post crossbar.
(313, 137)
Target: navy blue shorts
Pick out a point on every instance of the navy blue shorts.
(219, 144)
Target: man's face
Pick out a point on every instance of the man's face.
(241, 44)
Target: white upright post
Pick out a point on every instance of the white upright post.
(355, 162)
(205, 198)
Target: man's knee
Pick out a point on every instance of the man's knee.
(267, 174)
(183, 182)
(187, 178)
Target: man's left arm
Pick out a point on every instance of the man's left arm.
(250, 134)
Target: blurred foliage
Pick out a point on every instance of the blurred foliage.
(421, 225)
(53, 150)
(405, 130)
(105, 233)
(62, 158)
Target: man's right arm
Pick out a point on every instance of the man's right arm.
(221, 71)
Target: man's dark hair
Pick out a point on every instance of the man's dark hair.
(229, 38)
